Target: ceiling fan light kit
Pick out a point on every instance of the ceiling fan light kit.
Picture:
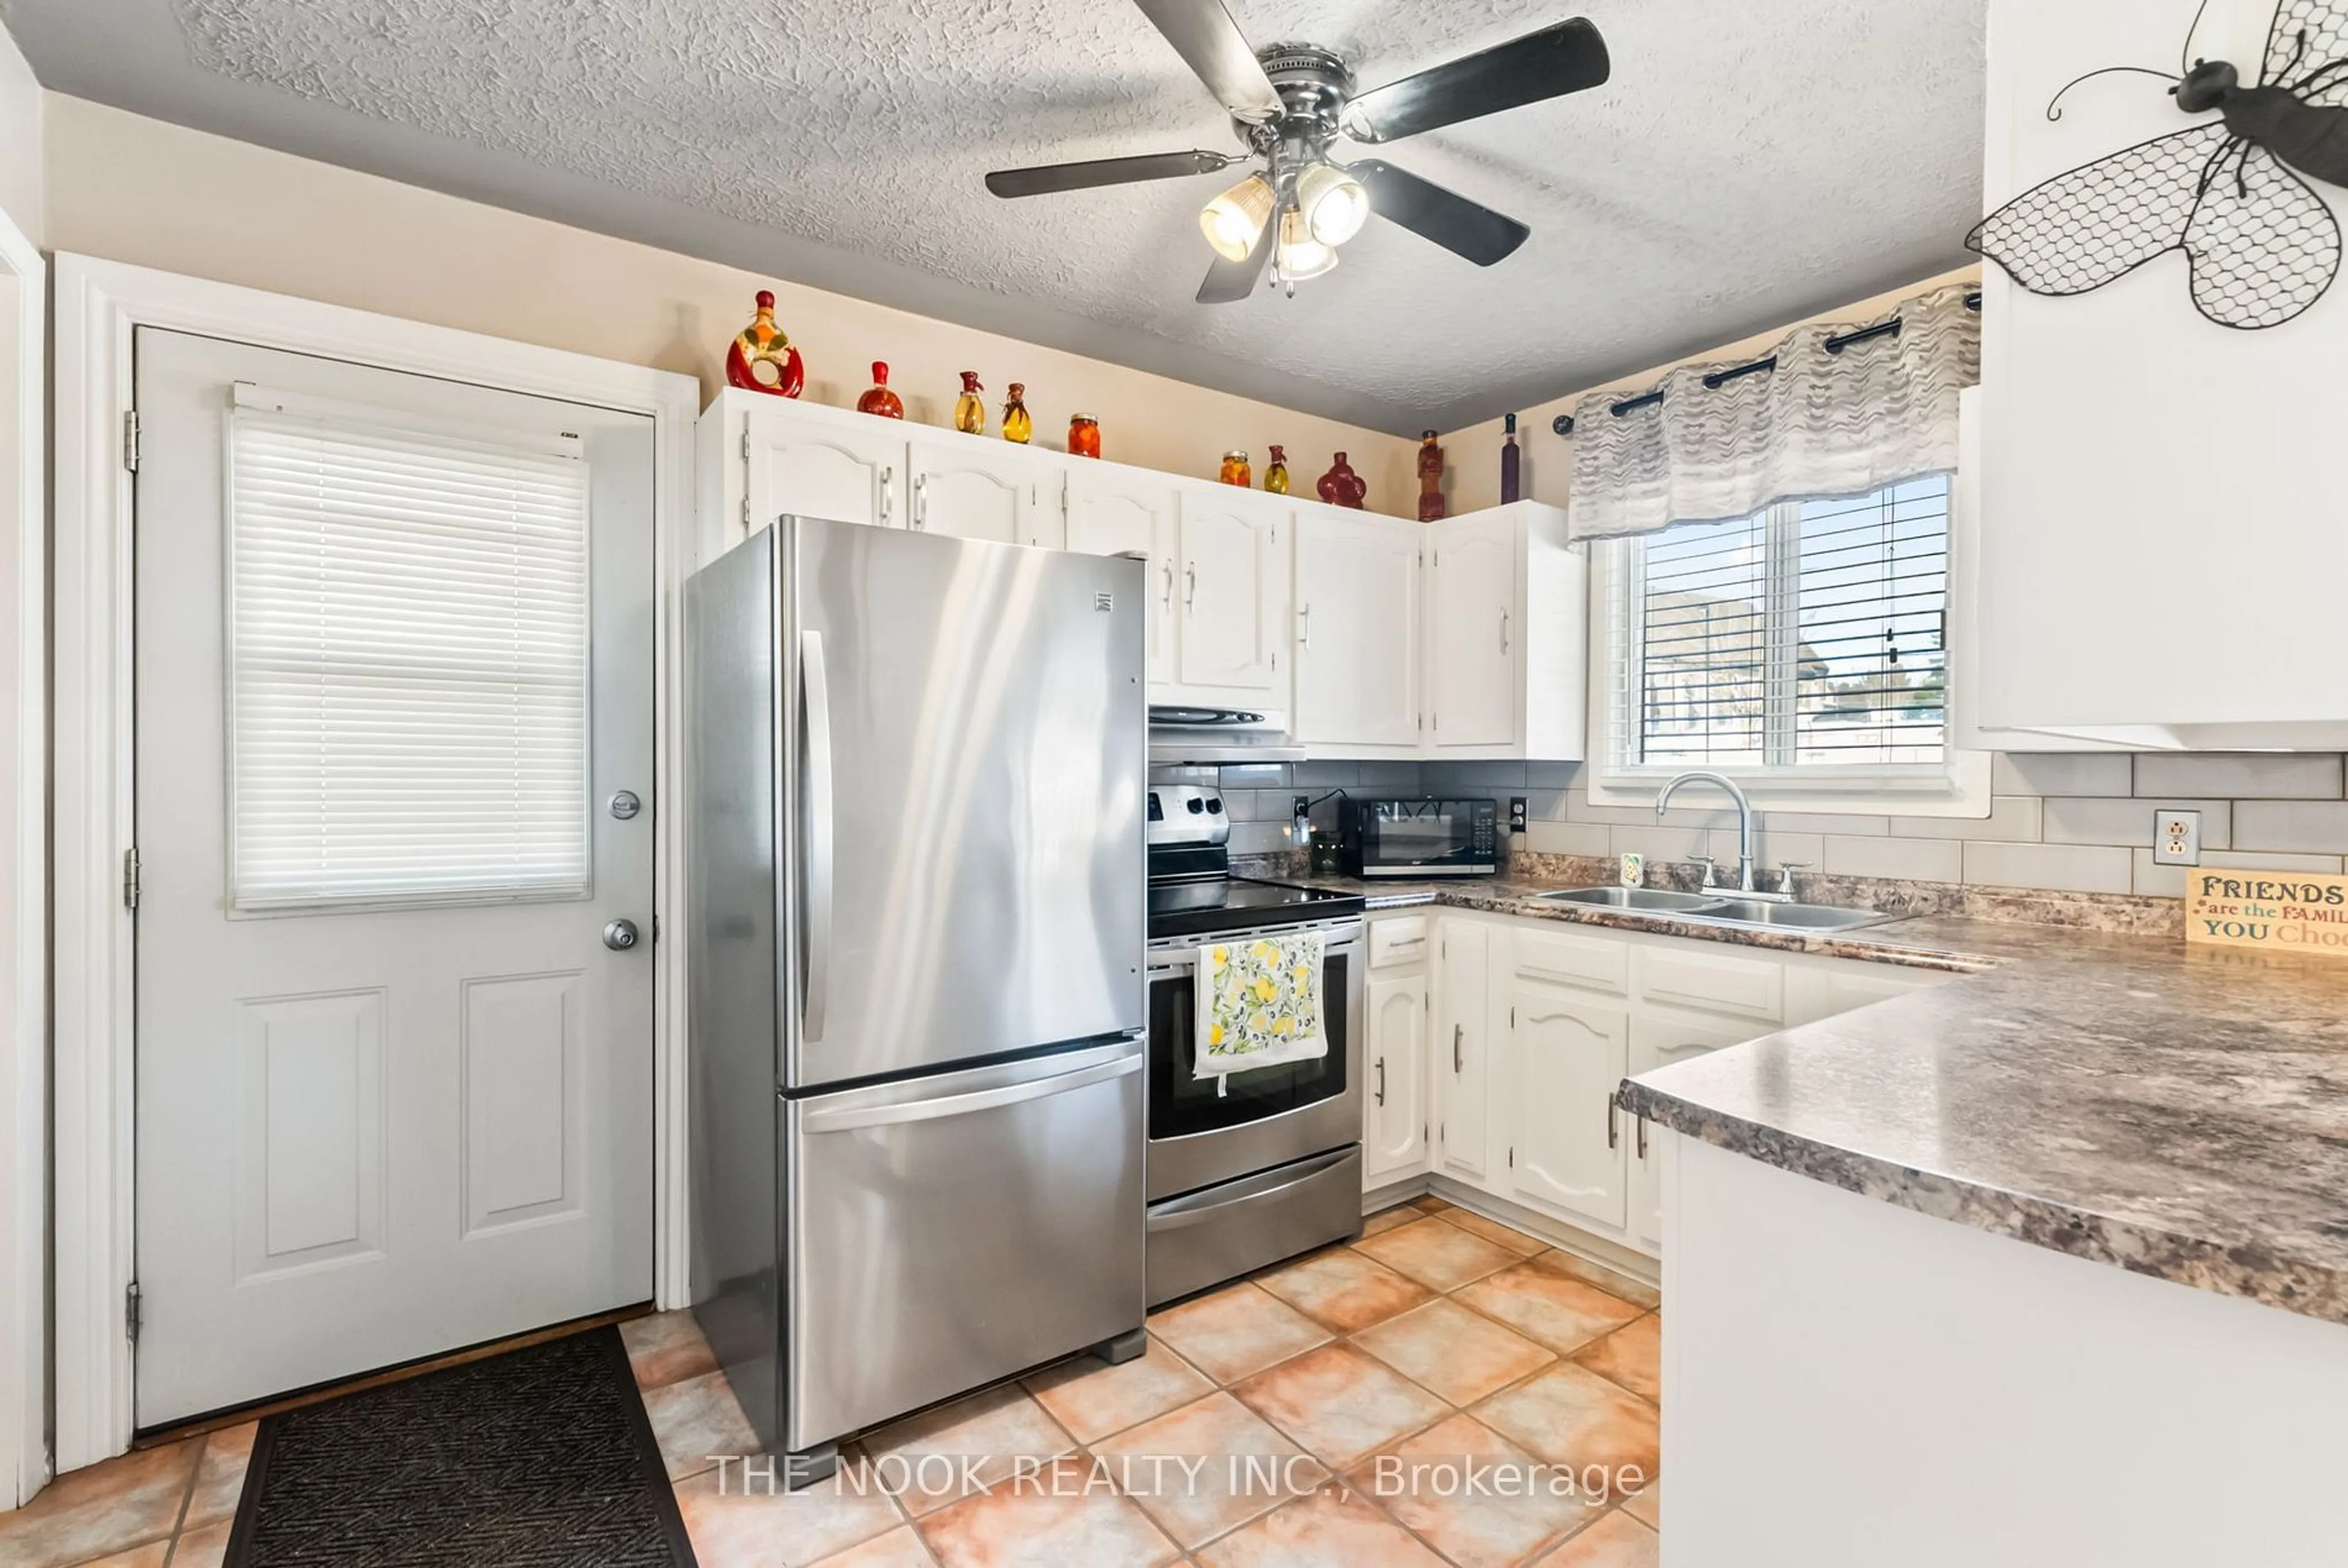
(1289, 104)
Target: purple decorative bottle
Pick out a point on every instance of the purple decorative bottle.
(1512, 487)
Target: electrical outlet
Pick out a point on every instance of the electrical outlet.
(2177, 838)
(1516, 814)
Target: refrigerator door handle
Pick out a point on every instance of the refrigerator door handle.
(815, 985)
(850, 1118)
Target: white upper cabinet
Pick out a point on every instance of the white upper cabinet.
(976, 489)
(1114, 510)
(850, 470)
(1471, 656)
(2161, 547)
(1359, 661)
(1233, 591)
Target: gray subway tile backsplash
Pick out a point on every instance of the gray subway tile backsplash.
(2075, 822)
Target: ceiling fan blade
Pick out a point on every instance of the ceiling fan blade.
(1468, 227)
(1228, 283)
(1211, 43)
(1043, 179)
(1548, 64)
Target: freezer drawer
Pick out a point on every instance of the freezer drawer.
(947, 1231)
(1224, 1231)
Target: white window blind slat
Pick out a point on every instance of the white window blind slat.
(1809, 635)
(408, 666)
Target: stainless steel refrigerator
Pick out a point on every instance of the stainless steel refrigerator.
(916, 910)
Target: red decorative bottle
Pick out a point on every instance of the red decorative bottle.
(1430, 479)
(761, 359)
(1341, 487)
(878, 399)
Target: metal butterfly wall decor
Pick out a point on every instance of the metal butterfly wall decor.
(2262, 246)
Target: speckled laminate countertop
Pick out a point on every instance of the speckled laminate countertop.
(2176, 1112)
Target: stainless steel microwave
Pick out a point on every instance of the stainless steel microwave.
(1412, 838)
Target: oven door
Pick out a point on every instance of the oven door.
(1262, 1118)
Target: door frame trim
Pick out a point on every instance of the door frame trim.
(97, 305)
(24, 908)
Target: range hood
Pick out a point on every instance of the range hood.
(1191, 735)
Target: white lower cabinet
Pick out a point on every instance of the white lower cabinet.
(1462, 1046)
(1537, 1023)
(1658, 1039)
(1569, 1054)
(1396, 1123)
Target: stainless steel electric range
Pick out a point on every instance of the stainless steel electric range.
(1266, 1163)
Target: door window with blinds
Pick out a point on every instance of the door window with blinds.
(407, 663)
(1806, 644)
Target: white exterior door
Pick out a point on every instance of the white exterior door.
(1357, 651)
(393, 662)
(1396, 1140)
(1234, 591)
(809, 468)
(1571, 1055)
(1473, 634)
(1116, 511)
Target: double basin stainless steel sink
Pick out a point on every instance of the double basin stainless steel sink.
(1724, 908)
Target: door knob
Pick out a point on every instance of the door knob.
(620, 936)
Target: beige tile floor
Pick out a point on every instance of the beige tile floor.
(1438, 1336)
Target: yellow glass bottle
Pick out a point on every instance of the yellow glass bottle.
(970, 408)
(1275, 473)
(1016, 424)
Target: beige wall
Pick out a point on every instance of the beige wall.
(135, 190)
(20, 141)
(1472, 456)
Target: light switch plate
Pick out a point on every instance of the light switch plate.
(2177, 838)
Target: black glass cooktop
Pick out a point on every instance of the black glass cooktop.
(1203, 909)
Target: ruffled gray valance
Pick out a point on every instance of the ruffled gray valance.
(1821, 424)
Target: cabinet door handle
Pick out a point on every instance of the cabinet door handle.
(1304, 627)
(1643, 1137)
(1382, 1080)
(1190, 586)
(1169, 597)
(1614, 1126)
(1504, 632)
(888, 498)
(1458, 1030)
(921, 500)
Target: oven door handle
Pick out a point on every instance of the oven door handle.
(1171, 1218)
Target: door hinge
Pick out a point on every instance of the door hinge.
(130, 877)
(131, 1317)
(746, 443)
(746, 513)
(130, 439)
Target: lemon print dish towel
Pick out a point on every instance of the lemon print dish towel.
(1258, 1004)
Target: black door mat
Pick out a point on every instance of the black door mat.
(539, 1458)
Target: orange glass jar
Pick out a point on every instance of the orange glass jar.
(1084, 435)
(1238, 471)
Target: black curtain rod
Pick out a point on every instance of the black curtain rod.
(1563, 423)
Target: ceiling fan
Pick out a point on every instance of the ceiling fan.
(1289, 103)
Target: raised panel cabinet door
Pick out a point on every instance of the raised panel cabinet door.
(975, 491)
(1473, 637)
(1571, 1150)
(1658, 1040)
(805, 469)
(1232, 593)
(1114, 512)
(1395, 1140)
(1357, 632)
(1461, 1049)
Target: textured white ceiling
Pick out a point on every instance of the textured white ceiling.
(1747, 164)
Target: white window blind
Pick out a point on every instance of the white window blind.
(1811, 635)
(407, 665)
